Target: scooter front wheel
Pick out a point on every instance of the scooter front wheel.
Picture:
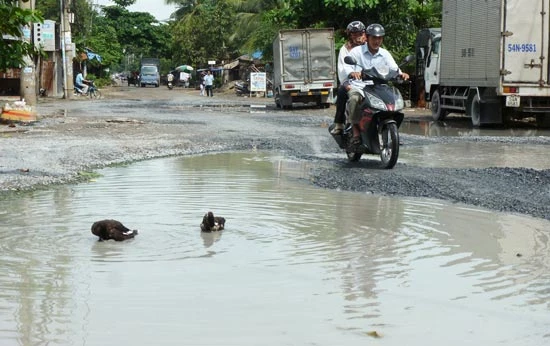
(388, 139)
(95, 94)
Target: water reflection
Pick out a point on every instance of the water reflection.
(463, 128)
(477, 155)
(295, 265)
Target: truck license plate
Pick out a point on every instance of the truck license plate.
(512, 101)
(304, 88)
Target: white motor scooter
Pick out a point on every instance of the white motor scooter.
(170, 79)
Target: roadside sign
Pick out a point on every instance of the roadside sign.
(258, 81)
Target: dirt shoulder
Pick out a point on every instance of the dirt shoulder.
(75, 137)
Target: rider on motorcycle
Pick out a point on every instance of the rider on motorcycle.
(355, 33)
(368, 55)
(80, 82)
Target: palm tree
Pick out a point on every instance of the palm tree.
(184, 7)
(248, 14)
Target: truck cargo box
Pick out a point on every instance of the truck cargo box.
(490, 61)
(304, 66)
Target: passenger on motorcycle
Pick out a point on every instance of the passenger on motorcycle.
(368, 55)
(355, 33)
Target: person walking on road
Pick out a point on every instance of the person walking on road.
(201, 85)
(208, 83)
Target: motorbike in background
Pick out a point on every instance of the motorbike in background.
(170, 79)
(92, 92)
(381, 115)
(241, 88)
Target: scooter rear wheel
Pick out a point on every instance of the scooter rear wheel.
(388, 139)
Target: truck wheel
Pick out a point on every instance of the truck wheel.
(438, 113)
(475, 111)
(543, 120)
(278, 99)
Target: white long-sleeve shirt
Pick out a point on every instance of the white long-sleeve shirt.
(344, 69)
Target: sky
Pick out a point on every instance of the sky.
(156, 7)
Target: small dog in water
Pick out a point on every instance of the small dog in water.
(112, 229)
(211, 223)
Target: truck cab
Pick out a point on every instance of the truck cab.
(431, 71)
(149, 75)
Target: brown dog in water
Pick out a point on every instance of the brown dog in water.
(211, 223)
(112, 229)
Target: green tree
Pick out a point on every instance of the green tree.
(204, 34)
(101, 42)
(138, 34)
(124, 3)
(84, 16)
(13, 51)
(183, 7)
(402, 19)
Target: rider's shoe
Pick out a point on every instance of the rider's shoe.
(355, 142)
(338, 129)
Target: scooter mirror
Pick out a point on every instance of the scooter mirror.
(408, 59)
(350, 60)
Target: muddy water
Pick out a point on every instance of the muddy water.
(296, 265)
(474, 154)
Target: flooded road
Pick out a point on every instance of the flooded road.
(466, 147)
(296, 265)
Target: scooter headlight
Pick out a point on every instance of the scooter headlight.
(399, 103)
(376, 102)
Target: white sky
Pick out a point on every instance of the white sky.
(156, 7)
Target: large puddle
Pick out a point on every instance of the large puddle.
(296, 265)
(475, 154)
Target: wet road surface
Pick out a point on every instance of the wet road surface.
(295, 265)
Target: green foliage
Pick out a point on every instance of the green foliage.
(84, 16)
(352, 4)
(204, 34)
(138, 33)
(12, 52)
(124, 3)
(166, 65)
(100, 82)
(184, 7)
(101, 42)
(119, 36)
(49, 9)
(225, 29)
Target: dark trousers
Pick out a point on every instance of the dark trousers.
(341, 99)
(209, 90)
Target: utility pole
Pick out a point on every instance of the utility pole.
(28, 72)
(66, 49)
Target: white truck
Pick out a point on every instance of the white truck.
(304, 67)
(490, 61)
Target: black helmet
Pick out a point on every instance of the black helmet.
(355, 26)
(376, 30)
